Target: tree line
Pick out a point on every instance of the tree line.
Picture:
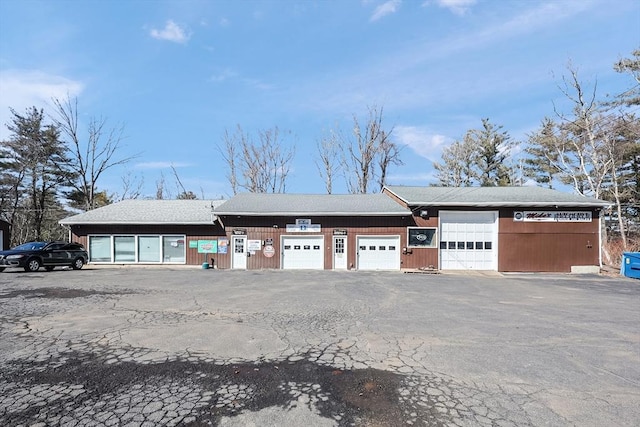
(49, 168)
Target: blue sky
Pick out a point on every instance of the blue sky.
(176, 74)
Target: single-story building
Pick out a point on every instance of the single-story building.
(470, 228)
(504, 228)
(146, 231)
(5, 238)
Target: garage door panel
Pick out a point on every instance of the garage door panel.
(379, 253)
(468, 240)
(303, 252)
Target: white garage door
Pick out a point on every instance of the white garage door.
(303, 252)
(468, 240)
(379, 253)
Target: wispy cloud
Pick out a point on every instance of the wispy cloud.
(423, 142)
(459, 7)
(171, 32)
(27, 88)
(160, 165)
(384, 9)
(223, 75)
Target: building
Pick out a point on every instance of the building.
(146, 231)
(504, 228)
(472, 228)
(5, 237)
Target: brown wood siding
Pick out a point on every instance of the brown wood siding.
(546, 246)
(261, 228)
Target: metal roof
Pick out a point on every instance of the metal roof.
(491, 197)
(137, 211)
(262, 204)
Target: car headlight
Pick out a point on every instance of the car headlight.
(15, 256)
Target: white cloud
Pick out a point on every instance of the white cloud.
(386, 8)
(171, 32)
(459, 7)
(160, 165)
(23, 89)
(424, 143)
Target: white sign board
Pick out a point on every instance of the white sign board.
(254, 245)
(552, 216)
(311, 228)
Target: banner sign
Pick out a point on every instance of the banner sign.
(553, 216)
(207, 246)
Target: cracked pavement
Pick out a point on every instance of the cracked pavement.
(177, 346)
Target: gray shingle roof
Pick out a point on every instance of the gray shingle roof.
(149, 212)
(312, 204)
(491, 196)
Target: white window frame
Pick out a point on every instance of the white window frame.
(136, 243)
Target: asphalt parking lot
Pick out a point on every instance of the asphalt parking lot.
(182, 346)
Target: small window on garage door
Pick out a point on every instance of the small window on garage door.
(421, 237)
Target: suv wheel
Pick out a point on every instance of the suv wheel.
(78, 263)
(33, 265)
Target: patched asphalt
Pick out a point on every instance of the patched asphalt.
(185, 346)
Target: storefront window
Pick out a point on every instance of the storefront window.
(100, 248)
(149, 249)
(422, 237)
(124, 248)
(173, 249)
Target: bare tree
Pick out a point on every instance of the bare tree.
(263, 166)
(389, 154)
(368, 152)
(230, 155)
(131, 187)
(91, 157)
(162, 192)
(581, 148)
(327, 163)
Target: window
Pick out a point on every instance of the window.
(173, 248)
(124, 248)
(100, 248)
(422, 237)
(149, 248)
(143, 249)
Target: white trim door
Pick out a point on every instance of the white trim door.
(340, 252)
(303, 252)
(378, 252)
(239, 252)
(468, 240)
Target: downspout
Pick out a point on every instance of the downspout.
(600, 224)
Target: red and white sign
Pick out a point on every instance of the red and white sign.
(269, 251)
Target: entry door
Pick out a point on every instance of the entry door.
(340, 253)
(239, 248)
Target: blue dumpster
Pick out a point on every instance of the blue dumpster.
(630, 264)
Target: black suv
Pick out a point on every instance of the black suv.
(31, 256)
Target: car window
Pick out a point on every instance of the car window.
(55, 246)
(73, 247)
(30, 246)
